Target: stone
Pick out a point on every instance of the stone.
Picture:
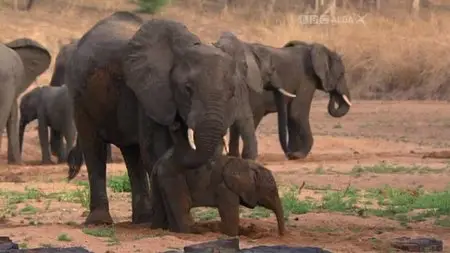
(417, 244)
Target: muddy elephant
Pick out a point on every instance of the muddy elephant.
(21, 62)
(64, 54)
(226, 183)
(52, 107)
(129, 81)
(299, 68)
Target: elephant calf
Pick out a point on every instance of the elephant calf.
(226, 182)
(53, 108)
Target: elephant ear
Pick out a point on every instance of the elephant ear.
(320, 57)
(147, 70)
(253, 77)
(230, 44)
(35, 58)
(240, 177)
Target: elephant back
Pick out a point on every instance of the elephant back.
(239, 177)
(35, 58)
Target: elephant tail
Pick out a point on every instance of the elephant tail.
(75, 160)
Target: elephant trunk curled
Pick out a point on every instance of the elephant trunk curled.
(343, 102)
(208, 135)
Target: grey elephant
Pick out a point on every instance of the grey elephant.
(129, 82)
(52, 107)
(64, 54)
(299, 69)
(21, 62)
(225, 182)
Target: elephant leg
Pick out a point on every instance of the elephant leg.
(140, 193)
(177, 202)
(69, 136)
(94, 152)
(57, 145)
(300, 134)
(56, 142)
(43, 138)
(14, 156)
(108, 154)
(228, 205)
(154, 140)
(247, 131)
(233, 143)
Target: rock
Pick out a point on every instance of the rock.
(232, 246)
(222, 245)
(283, 249)
(49, 250)
(7, 244)
(417, 244)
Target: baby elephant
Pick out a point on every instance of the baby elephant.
(226, 182)
(53, 108)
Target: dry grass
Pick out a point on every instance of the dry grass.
(387, 58)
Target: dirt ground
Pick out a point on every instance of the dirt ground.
(394, 132)
(372, 132)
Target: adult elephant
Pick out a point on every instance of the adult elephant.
(129, 90)
(299, 68)
(64, 54)
(21, 62)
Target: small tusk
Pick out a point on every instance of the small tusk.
(191, 138)
(347, 100)
(288, 94)
(225, 146)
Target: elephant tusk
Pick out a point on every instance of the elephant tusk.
(347, 100)
(288, 94)
(191, 138)
(225, 146)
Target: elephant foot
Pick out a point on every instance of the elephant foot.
(99, 217)
(249, 156)
(47, 162)
(142, 217)
(296, 155)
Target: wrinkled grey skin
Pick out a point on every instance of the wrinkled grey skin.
(64, 54)
(299, 68)
(225, 183)
(129, 82)
(21, 62)
(52, 107)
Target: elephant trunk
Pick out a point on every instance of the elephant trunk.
(282, 120)
(208, 135)
(273, 202)
(343, 102)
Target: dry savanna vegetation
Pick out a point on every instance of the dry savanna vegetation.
(378, 173)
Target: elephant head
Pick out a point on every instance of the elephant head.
(174, 75)
(28, 110)
(330, 71)
(65, 52)
(35, 59)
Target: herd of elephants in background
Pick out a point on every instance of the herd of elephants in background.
(166, 100)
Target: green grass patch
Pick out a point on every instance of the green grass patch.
(100, 231)
(120, 183)
(64, 238)
(387, 168)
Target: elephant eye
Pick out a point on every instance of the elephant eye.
(189, 89)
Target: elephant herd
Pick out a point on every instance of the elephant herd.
(130, 82)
